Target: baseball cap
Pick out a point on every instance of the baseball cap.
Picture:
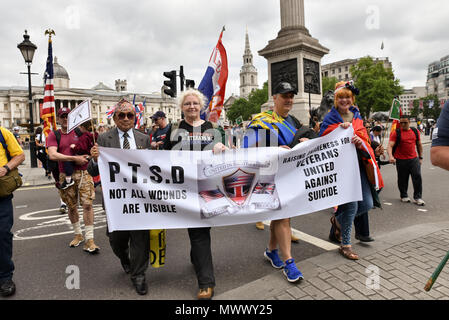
(63, 110)
(16, 128)
(157, 115)
(285, 87)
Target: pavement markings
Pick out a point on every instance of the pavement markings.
(422, 210)
(326, 245)
(34, 188)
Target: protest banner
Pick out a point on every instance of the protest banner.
(149, 189)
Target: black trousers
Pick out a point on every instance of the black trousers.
(201, 256)
(361, 224)
(405, 169)
(133, 246)
(6, 222)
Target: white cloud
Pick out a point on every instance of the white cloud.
(139, 40)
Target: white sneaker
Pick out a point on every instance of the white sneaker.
(419, 202)
(407, 200)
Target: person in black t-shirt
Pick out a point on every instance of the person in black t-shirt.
(159, 138)
(195, 134)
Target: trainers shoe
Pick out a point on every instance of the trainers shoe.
(66, 184)
(291, 271)
(63, 208)
(419, 202)
(407, 200)
(76, 241)
(294, 238)
(260, 225)
(273, 257)
(90, 246)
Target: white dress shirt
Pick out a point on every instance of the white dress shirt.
(131, 139)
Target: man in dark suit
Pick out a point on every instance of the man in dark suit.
(131, 247)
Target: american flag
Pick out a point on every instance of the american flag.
(442, 102)
(139, 112)
(211, 195)
(264, 188)
(48, 109)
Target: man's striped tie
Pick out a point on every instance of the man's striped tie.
(125, 141)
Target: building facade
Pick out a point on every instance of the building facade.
(14, 108)
(438, 78)
(342, 69)
(248, 73)
(409, 96)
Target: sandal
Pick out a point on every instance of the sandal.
(348, 253)
(335, 234)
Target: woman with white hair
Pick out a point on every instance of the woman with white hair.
(195, 134)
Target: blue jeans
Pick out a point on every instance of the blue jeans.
(6, 222)
(347, 212)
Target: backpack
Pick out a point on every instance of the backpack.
(53, 166)
(398, 138)
(5, 146)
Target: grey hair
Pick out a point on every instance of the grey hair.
(192, 92)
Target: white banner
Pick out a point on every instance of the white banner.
(150, 189)
(79, 115)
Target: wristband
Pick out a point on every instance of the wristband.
(7, 168)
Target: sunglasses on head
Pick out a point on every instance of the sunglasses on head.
(123, 115)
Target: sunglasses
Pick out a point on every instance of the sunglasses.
(128, 115)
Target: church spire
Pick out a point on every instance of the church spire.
(248, 74)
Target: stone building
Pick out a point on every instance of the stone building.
(248, 73)
(438, 78)
(14, 109)
(409, 96)
(342, 69)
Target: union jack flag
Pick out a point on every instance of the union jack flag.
(211, 195)
(264, 188)
(110, 112)
(140, 109)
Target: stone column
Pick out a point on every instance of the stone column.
(289, 54)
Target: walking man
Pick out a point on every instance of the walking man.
(83, 187)
(280, 124)
(131, 247)
(402, 151)
(11, 156)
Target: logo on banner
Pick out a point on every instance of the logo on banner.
(238, 186)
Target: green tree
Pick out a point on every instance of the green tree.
(426, 112)
(246, 108)
(377, 86)
(329, 84)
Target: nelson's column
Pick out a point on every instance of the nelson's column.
(293, 55)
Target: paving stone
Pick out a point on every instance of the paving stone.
(380, 264)
(397, 253)
(337, 283)
(285, 296)
(325, 275)
(340, 275)
(337, 295)
(442, 289)
(346, 268)
(296, 293)
(320, 284)
(387, 284)
(376, 297)
(403, 295)
(362, 288)
(386, 293)
(402, 276)
(355, 295)
(314, 292)
(418, 263)
(404, 286)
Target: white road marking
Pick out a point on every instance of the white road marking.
(34, 188)
(326, 245)
(388, 204)
(422, 210)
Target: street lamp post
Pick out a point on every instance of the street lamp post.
(308, 76)
(27, 49)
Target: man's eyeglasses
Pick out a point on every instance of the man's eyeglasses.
(128, 115)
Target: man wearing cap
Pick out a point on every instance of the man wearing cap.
(159, 141)
(83, 187)
(284, 126)
(17, 135)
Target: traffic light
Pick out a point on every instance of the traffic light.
(190, 83)
(170, 83)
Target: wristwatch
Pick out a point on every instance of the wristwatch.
(7, 168)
